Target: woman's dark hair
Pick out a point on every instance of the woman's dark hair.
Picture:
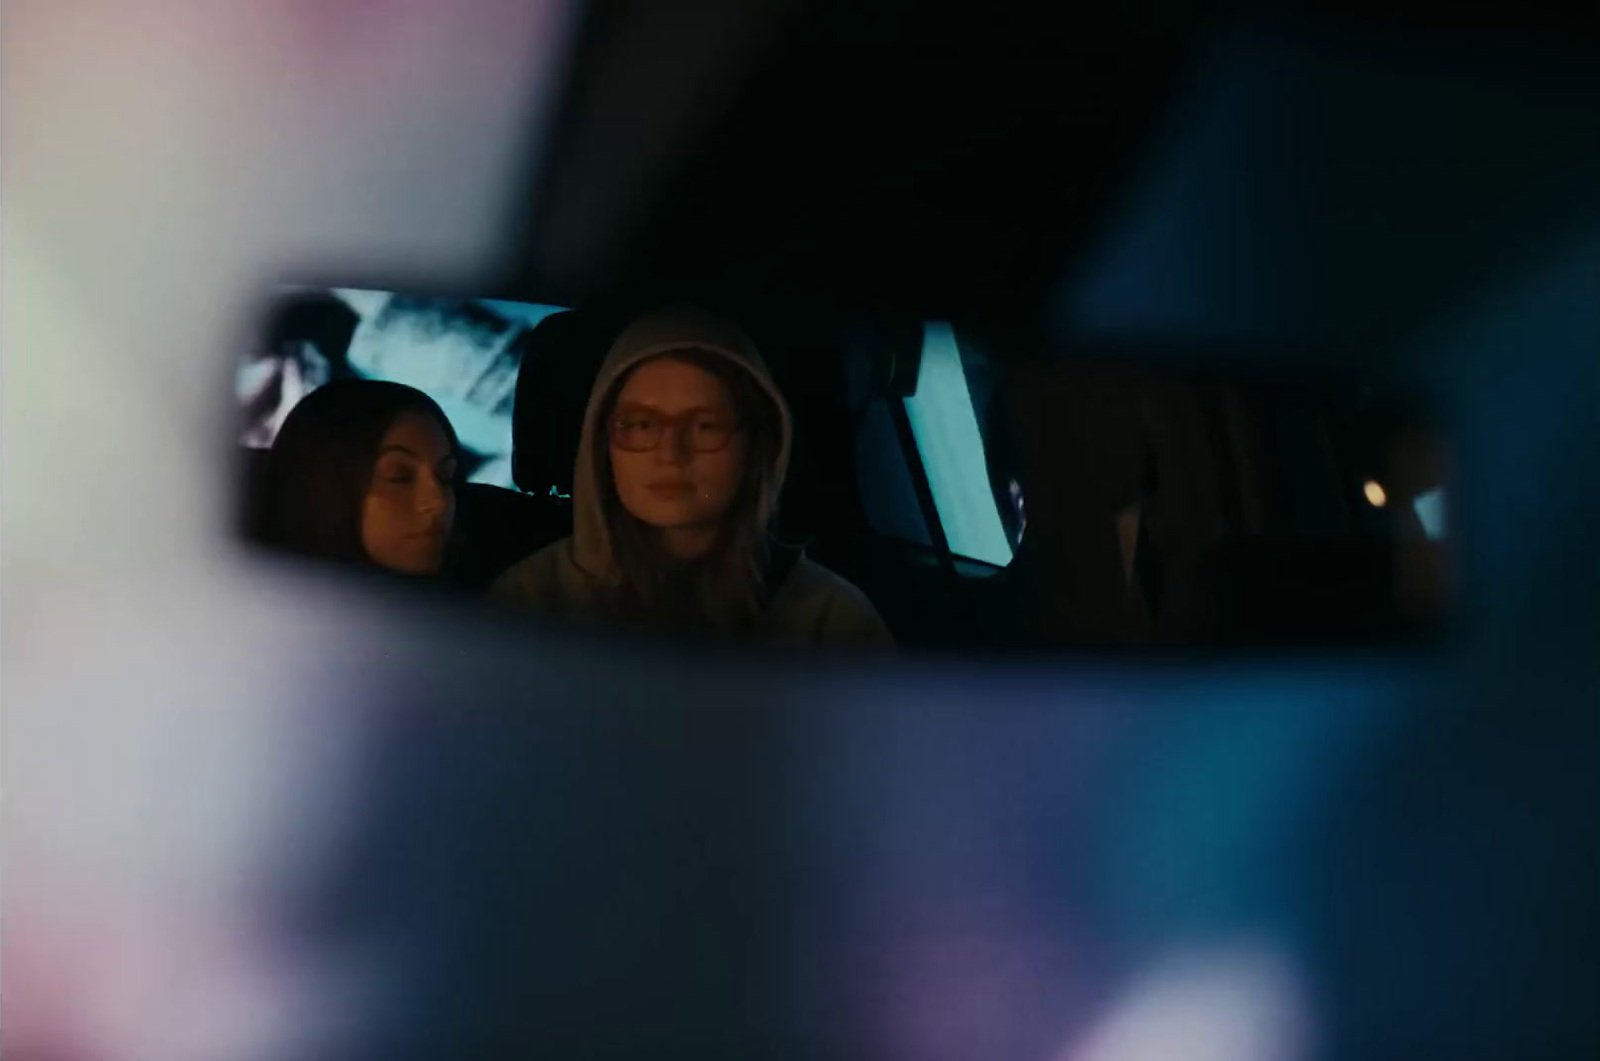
(321, 464)
(724, 591)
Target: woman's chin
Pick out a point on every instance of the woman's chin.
(672, 517)
(414, 564)
(688, 539)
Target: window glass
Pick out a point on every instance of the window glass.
(1430, 509)
(944, 422)
(463, 353)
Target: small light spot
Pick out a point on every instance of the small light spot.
(1375, 493)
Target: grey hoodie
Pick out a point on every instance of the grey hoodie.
(812, 605)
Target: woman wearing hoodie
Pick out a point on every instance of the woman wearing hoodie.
(685, 443)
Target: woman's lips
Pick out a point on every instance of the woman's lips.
(670, 489)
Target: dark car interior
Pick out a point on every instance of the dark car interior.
(1142, 506)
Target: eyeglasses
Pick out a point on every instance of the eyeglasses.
(640, 428)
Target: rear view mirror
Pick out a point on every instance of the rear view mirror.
(978, 500)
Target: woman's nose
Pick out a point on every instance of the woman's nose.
(430, 496)
(674, 448)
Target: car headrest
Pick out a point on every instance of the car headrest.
(560, 358)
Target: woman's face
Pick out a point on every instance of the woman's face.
(411, 501)
(678, 452)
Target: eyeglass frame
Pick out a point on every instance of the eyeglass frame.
(669, 421)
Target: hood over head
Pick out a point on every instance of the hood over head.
(651, 336)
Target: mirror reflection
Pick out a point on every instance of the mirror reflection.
(667, 469)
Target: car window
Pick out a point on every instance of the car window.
(1430, 509)
(928, 469)
(944, 423)
(465, 354)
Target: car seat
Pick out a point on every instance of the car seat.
(496, 527)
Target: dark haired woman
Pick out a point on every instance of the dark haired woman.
(363, 471)
(684, 447)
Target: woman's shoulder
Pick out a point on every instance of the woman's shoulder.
(829, 605)
(807, 577)
(534, 576)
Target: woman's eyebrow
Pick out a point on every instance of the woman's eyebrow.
(403, 449)
(646, 406)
